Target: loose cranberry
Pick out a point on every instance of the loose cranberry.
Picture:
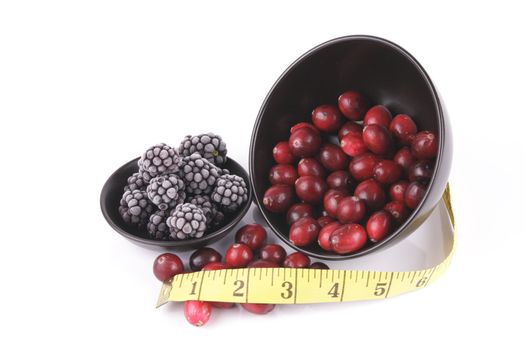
(262, 264)
(310, 167)
(379, 115)
(305, 142)
(238, 255)
(166, 266)
(300, 125)
(331, 201)
(404, 158)
(387, 171)
(421, 171)
(310, 189)
(304, 231)
(414, 194)
(327, 118)
(348, 238)
(197, 312)
(353, 105)
(332, 157)
(273, 253)
(340, 180)
(282, 153)
(424, 145)
(350, 128)
(398, 210)
(259, 309)
(403, 127)
(372, 193)
(203, 256)
(319, 266)
(278, 198)
(351, 210)
(377, 139)
(283, 174)
(353, 145)
(298, 211)
(397, 190)
(253, 235)
(297, 260)
(324, 235)
(362, 167)
(218, 266)
(325, 220)
(379, 225)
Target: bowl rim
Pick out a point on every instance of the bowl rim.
(181, 243)
(438, 161)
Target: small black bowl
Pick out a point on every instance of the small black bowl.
(112, 193)
(382, 71)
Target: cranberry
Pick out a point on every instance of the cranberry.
(298, 211)
(218, 266)
(348, 238)
(324, 235)
(353, 145)
(403, 127)
(331, 201)
(325, 220)
(197, 312)
(203, 256)
(282, 153)
(238, 255)
(259, 309)
(273, 253)
(310, 189)
(379, 115)
(404, 158)
(351, 210)
(353, 105)
(397, 190)
(310, 166)
(379, 225)
(424, 145)
(278, 198)
(283, 174)
(372, 193)
(398, 210)
(362, 167)
(253, 235)
(377, 139)
(414, 194)
(319, 266)
(327, 118)
(304, 142)
(304, 231)
(300, 125)
(332, 157)
(340, 180)
(421, 171)
(387, 171)
(166, 266)
(262, 264)
(350, 128)
(297, 260)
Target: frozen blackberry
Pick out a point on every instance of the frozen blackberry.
(158, 160)
(230, 192)
(157, 227)
(135, 208)
(214, 216)
(136, 182)
(209, 145)
(186, 221)
(166, 191)
(198, 174)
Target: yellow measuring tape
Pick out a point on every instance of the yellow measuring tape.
(300, 286)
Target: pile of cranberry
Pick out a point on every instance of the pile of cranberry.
(249, 250)
(345, 182)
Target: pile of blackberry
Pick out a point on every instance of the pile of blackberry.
(182, 193)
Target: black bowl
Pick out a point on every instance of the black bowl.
(112, 193)
(387, 75)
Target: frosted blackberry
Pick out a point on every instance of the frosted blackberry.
(198, 174)
(230, 192)
(186, 221)
(136, 182)
(135, 208)
(209, 145)
(214, 216)
(157, 227)
(158, 160)
(166, 191)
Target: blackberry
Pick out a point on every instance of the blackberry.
(198, 174)
(214, 217)
(209, 145)
(158, 160)
(157, 227)
(230, 192)
(166, 191)
(136, 182)
(186, 221)
(135, 208)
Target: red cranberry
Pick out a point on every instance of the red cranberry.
(283, 174)
(404, 158)
(398, 210)
(340, 180)
(353, 105)
(324, 235)
(253, 235)
(298, 211)
(379, 115)
(362, 167)
(278, 198)
(350, 210)
(372, 193)
(379, 225)
(327, 118)
(414, 194)
(203, 256)
(282, 153)
(421, 171)
(348, 238)
(331, 201)
(238, 255)
(332, 157)
(387, 171)
(377, 139)
(197, 312)
(325, 220)
(319, 266)
(297, 260)
(310, 189)
(218, 266)
(424, 145)
(403, 127)
(259, 309)
(304, 142)
(166, 266)
(397, 190)
(273, 253)
(304, 231)
(350, 128)
(310, 166)
(353, 145)
(262, 264)
(300, 125)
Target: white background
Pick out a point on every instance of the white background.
(87, 85)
